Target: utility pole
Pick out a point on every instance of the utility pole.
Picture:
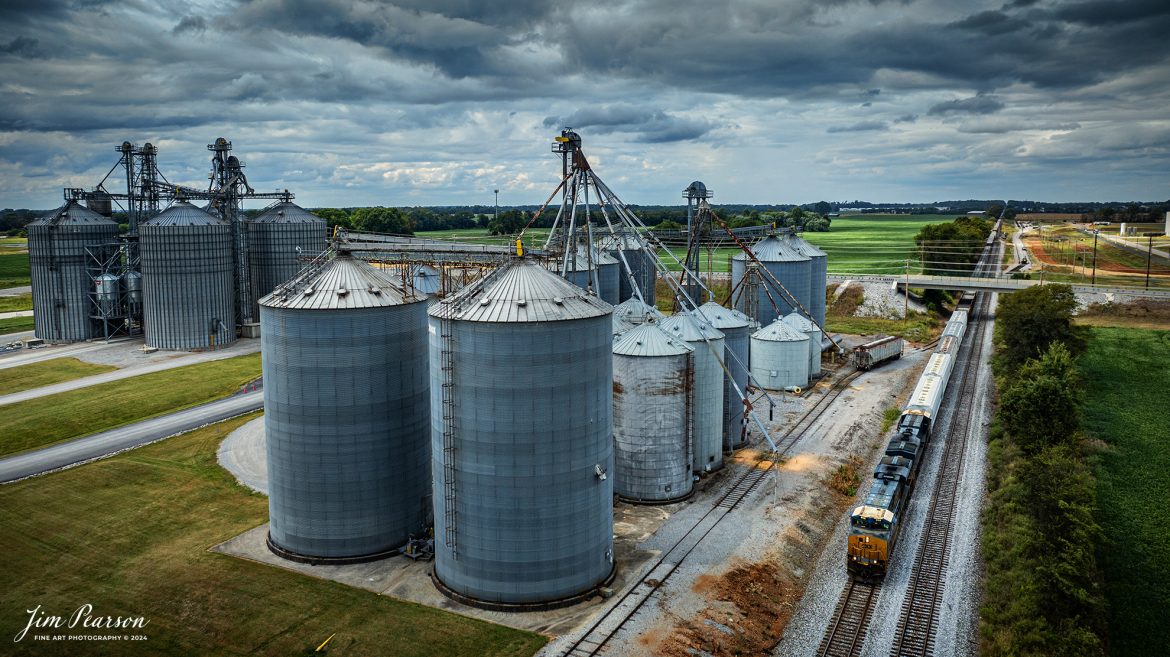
(906, 303)
(1095, 233)
(496, 215)
(1149, 252)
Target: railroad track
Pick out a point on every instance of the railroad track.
(846, 633)
(595, 639)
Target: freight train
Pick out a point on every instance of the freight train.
(870, 355)
(876, 523)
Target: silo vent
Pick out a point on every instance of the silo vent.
(484, 302)
(342, 291)
(559, 301)
(309, 291)
(521, 302)
(373, 289)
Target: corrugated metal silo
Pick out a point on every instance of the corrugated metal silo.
(818, 279)
(276, 237)
(60, 281)
(426, 280)
(581, 274)
(641, 265)
(631, 313)
(780, 356)
(735, 327)
(522, 439)
(802, 324)
(652, 392)
(346, 412)
(708, 409)
(188, 296)
(791, 268)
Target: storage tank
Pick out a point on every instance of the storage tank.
(631, 313)
(132, 287)
(426, 281)
(653, 380)
(819, 276)
(708, 408)
(787, 265)
(106, 295)
(346, 414)
(802, 324)
(188, 296)
(276, 237)
(735, 327)
(60, 281)
(641, 266)
(779, 356)
(522, 440)
(581, 274)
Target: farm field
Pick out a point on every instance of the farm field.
(46, 420)
(1126, 408)
(533, 238)
(13, 269)
(1067, 255)
(56, 370)
(15, 324)
(18, 302)
(129, 535)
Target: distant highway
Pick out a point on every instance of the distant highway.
(110, 442)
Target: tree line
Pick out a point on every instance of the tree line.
(1043, 590)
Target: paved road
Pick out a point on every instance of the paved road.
(110, 442)
(54, 351)
(15, 291)
(16, 313)
(126, 372)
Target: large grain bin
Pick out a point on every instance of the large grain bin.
(708, 408)
(653, 379)
(522, 439)
(277, 238)
(735, 327)
(787, 265)
(60, 281)
(641, 266)
(818, 279)
(426, 280)
(188, 296)
(802, 324)
(346, 412)
(580, 273)
(779, 356)
(631, 313)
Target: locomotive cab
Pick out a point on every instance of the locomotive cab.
(915, 424)
(873, 529)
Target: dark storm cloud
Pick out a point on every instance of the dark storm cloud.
(23, 46)
(861, 126)
(194, 24)
(651, 126)
(973, 105)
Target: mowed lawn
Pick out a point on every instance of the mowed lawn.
(46, 420)
(48, 372)
(130, 535)
(1126, 376)
(13, 269)
(16, 324)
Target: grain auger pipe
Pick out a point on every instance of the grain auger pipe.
(776, 282)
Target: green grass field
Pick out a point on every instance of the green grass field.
(55, 418)
(15, 324)
(18, 302)
(534, 238)
(35, 375)
(130, 535)
(1126, 378)
(13, 269)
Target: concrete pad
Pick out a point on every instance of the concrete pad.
(244, 454)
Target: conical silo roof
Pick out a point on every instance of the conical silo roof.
(599, 258)
(521, 291)
(773, 249)
(802, 246)
(799, 322)
(649, 340)
(724, 318)
(72, 213)
(635, 311)
(779, 331)
(182, 213)
(287, 212)
(689, 328)
(343, 282)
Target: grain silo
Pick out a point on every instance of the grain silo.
(277, 238)
(641, 265)
(653, 385)
(522, 440)
(759, 298)
(580, 273)
(631, 313)
(708, 408)
(802, 324)
(779, 356)
(426, 281)
(61, 283)
(735, 327)
(346, 412)
(188, 300)
(818, 278)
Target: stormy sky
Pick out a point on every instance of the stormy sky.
(438, 102)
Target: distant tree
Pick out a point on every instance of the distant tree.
(334, 217)
(670, 225)
(797, 215)
(1040, 403)
(817, 224)
(954, 247)
(509, 222)
(1028, 322)
(382, 220)
(823, 208)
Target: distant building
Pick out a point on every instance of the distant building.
(976, 213)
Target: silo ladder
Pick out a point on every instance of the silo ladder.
(447, 363)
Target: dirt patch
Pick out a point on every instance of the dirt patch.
(847, 303)
(759, 600)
